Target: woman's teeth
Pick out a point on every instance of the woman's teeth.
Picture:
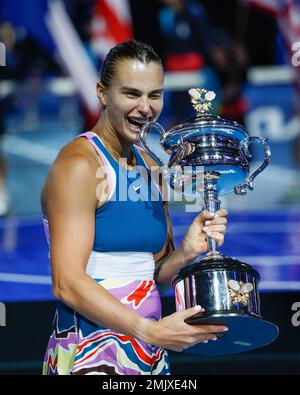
(135, 125)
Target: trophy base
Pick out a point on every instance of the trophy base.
(245, 332)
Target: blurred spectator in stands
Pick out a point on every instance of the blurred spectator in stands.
(230, 20)
(191, 43)
(186, 35)
(230, 62)
(187, 43)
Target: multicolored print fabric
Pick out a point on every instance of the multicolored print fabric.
(78, 346)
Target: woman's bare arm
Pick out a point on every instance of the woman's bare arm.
(71, 202)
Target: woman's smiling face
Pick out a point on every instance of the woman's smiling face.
(135, 96)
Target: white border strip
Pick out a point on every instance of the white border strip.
(269, 260)
(279, 285)
(32, 151)
(25, 278)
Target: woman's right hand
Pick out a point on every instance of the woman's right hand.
(173, 333)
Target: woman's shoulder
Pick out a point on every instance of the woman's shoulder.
(79, 153)
(74, 167)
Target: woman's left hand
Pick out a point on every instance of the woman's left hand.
(205, 224)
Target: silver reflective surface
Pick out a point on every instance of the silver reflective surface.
(208, 144)
(211, 291)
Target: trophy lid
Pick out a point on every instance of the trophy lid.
(203, 123)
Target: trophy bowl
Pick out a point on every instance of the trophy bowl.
(222, 147)
(209, 156)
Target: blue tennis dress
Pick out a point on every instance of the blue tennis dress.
(129, 229)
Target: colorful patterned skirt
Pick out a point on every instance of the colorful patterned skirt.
(80, 347)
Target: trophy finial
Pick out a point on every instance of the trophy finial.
(201, 100)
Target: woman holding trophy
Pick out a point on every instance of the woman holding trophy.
(106, 251)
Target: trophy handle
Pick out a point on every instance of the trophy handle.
(242, 188)
(178, 156)
(143, 135)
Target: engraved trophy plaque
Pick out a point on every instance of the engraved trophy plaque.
(226, 287)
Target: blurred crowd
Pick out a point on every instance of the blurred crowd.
(209, 37)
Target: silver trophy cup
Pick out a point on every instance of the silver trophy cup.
(215, 151)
